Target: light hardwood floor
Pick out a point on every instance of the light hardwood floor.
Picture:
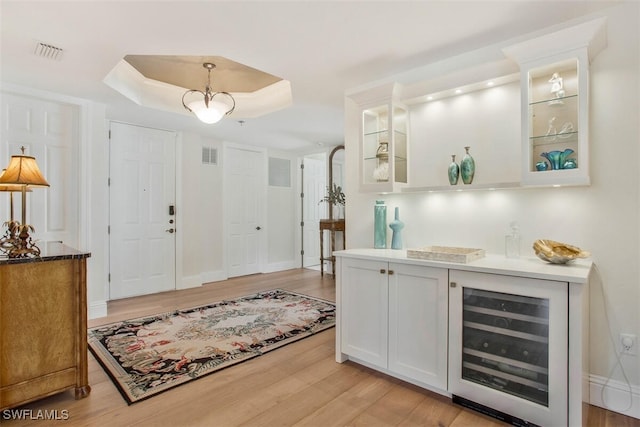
(298, 385)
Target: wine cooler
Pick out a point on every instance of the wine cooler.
(509, 347)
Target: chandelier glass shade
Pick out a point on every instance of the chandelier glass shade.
(210, 107)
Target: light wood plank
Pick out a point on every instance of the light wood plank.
(299, 384)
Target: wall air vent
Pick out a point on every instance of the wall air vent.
(48, 51)
(209, 156)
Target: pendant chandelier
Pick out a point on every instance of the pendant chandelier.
(212, 106)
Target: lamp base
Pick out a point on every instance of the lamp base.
(16, 242)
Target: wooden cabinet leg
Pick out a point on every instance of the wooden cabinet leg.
(321, 254)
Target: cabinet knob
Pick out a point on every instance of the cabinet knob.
(383, 271)
(390, 272)
(453, 284)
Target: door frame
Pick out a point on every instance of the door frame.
(320, 156)
(226, 190)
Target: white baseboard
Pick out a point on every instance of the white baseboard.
(97, 309)
(281, 266)
(213, 276)
(202, 278)
(618, 396)
(189, 282)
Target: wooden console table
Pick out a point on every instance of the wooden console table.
(331, 225)
(43, 313)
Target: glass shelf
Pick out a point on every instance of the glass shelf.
(552, 102)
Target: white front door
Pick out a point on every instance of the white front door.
(142, 246)
(315, 181)
(245, 189)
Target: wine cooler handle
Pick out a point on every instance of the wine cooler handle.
(453, 284)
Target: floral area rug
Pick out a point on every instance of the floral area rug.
(149, 355)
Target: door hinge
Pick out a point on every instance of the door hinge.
(301, 223)
(109, 182)
(301, 165)
(109, 133)
(302, 195)
(109, 277)
(302, 252)
(108, 229)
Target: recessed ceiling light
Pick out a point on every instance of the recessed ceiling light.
(458, 91)
(429, 98)
(490, 83)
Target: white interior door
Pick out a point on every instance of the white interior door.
(48, 131)
(142, 188)
(245, 189)
(315, 179)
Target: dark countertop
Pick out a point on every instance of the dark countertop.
(49, 251)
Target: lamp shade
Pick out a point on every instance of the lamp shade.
(14, 188)
(23, 170)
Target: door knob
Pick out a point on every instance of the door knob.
(171, 230)
(258, 228)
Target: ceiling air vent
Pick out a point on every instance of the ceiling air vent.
(48, 51)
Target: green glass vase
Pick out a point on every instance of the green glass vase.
(467, 167)
(454, 171)
(380, 225)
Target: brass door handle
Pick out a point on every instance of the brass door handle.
(171, 230)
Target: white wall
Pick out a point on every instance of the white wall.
(603, 218)
(200, 213)
(200, 218)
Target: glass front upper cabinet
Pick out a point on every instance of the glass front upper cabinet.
(555, 103)
(384, 162)
(556, 144)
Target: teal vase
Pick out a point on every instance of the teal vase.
(380, 225)
(396, 225)
(454, 171)
(467, 167)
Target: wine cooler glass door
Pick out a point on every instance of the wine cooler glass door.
(510, 344)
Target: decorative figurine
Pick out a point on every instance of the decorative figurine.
(557, 87)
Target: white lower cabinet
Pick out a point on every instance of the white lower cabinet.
(394, 317)
(509, 338)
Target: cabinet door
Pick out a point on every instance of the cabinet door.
(364, 312)
(418, 305)
(508, 342)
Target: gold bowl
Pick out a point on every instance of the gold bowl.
(557, 252)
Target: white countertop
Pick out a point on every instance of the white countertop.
(576, 271)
